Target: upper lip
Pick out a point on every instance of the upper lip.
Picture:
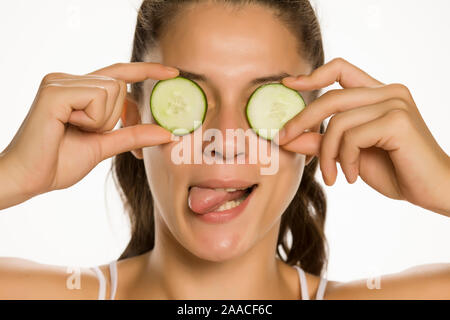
(220, 183)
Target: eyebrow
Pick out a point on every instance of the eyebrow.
(261, 80)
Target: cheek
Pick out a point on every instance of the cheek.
(166, 179)
(292, 162)
(282, 187)
(291, 172)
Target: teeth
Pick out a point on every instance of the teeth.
(229, 189)
(231, 204)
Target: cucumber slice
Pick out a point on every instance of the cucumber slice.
(178, 105)
(271, 106)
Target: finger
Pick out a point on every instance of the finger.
(112, 87)
(131, 138)
(137, 71)
(81, 106)
(307, 144)
(335, 101)
(376, 133)
(343, 121)
(337, 70)
(117, 108)
(68, 77)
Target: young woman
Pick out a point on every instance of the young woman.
(229, 48)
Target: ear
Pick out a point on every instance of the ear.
(309, 158)
(130, 117)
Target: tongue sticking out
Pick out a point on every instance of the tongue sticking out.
(204, 200)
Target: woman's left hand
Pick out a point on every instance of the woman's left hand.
(376, 132)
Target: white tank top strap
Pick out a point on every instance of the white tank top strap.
(114, 278)
(102, 283)
(303, 284)
(321, 289)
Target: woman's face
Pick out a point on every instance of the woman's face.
(230, 48)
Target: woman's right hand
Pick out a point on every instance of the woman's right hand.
(67, 131)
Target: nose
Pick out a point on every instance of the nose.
(227, 127)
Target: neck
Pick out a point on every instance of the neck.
(257, 273)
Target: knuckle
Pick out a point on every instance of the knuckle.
(47, 91)
(115, 88)
(339, 61)
(400, 103)
(51, 76)
(47, 88)
(347, 137)
(400, 117)
(97, 110)
(401, 90)
(398, 86)
(112, 86)
(48, 77)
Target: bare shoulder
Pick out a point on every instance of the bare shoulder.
(130, 273)
(25, 279)
(431, 281)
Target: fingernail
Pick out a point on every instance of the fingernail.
(173, 70)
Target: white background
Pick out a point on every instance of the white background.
(369, 234)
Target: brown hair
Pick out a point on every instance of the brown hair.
(305, 216)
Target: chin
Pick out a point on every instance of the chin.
(220, 245)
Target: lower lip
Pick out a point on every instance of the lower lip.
(226, 215)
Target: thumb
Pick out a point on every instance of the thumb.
(131, 138)
(307, 143)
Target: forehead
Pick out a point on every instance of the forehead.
(230, 40)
